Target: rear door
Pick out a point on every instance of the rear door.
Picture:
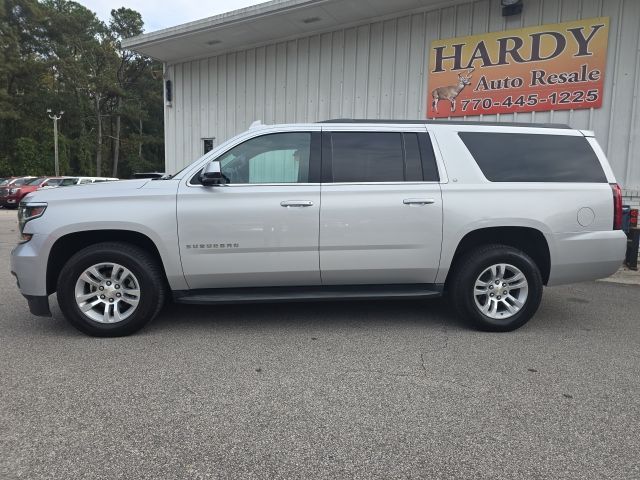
(381, 216)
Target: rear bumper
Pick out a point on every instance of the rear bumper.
(578, 257)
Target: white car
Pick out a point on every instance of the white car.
(84, 180)
(486, 213)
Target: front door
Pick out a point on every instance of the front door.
(381, 218)
(262, 227)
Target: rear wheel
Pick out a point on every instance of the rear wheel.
(110, 289)
(496, 288)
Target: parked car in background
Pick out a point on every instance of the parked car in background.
(52, 182)
(17, 194)
(68, 181)
(55, 182)
(10, 192)
(84, 180)
(148, 175)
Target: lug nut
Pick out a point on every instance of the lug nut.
(101, 287)
(491, 287)
(117, 286)
(491, 294)
(111, 300)
(504, 285)
(497, 282)
(499, 297)
(102, 297)
(118, 294)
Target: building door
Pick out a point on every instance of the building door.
(261, 228)
(381, 217)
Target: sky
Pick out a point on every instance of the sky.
(161, 14)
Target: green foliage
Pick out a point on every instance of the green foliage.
(28, 157)
(56, 54)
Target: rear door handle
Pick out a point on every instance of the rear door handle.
(418, 201)
(296, 203)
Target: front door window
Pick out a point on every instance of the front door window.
(275, 158)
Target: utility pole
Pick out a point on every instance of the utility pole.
(55, 119)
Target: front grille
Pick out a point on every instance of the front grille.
(4, 192)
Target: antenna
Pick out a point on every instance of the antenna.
(256, 124)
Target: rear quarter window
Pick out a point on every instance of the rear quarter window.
(521, 157)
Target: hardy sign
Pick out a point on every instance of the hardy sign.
(549, 67)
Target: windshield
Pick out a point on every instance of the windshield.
(5, 181)
(68, 181)
(36, 181)
(22, 181)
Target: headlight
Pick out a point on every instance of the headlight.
(13, 191)
(27, 212)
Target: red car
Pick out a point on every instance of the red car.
(15, 189)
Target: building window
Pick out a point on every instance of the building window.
(207, 144)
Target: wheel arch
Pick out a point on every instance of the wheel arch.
(67, 245)
(528, 239)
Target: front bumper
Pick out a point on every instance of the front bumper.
(29, 265)
(9, 201)
(38, 306)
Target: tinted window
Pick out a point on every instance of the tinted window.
(36, 181)
(367, 157)
(429, 166)
(412, 161)
(68, 181)
(519, 157)
(275, 158)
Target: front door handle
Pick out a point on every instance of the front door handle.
(418, 201)
(296, 203)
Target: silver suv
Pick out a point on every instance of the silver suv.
(486, 213)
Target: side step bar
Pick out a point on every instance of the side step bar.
(302, 294)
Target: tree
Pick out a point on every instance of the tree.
(57, 54)
(125, 23)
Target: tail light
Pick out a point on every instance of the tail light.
(617, 206)
(633, 218)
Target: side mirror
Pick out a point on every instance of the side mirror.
(212, 174)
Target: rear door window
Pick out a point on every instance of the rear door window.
(358, 157)
(521, 157)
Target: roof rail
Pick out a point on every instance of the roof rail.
(451, 122)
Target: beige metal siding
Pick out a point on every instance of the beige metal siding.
(377, 70)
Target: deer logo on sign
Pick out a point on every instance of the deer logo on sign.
(452, 91)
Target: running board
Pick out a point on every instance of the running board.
(303, 294)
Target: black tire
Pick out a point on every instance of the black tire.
(468, 268)
(146, 269)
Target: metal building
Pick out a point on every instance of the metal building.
(307, 60)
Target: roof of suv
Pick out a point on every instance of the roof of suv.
(452, 122)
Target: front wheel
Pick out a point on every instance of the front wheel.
(496, 287)
(110, 289)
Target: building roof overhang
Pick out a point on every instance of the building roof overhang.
(267, 23)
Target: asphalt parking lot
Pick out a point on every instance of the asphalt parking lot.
(386, 389)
